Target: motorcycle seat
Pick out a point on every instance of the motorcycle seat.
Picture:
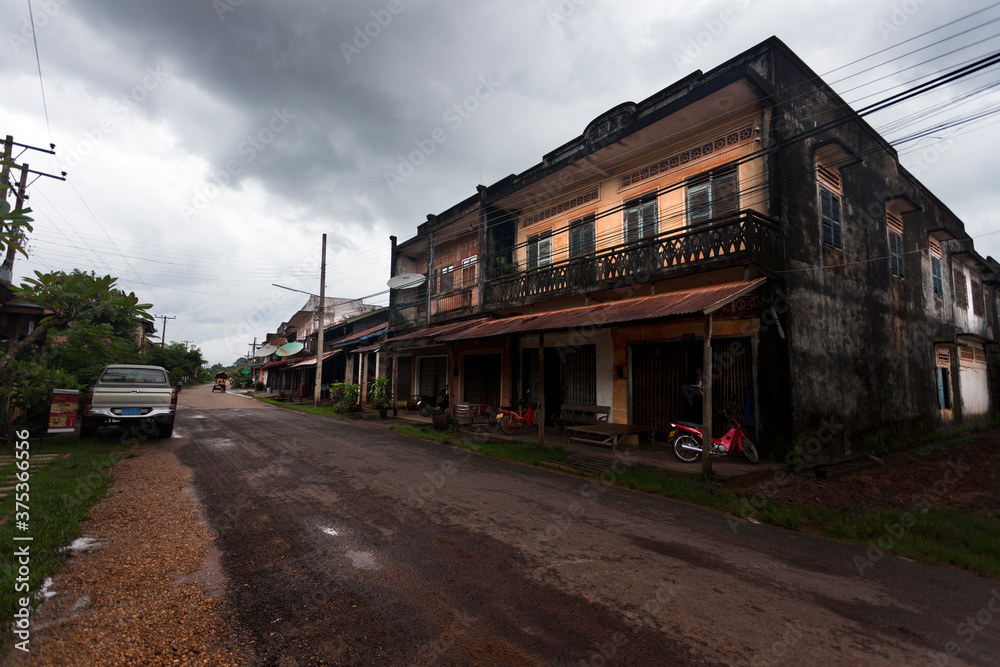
(689, 424)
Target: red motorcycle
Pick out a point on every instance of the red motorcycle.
(687, 439)
(523, 417)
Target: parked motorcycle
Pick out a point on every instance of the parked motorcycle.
(687, 439)
(523, 417)
(431, 404)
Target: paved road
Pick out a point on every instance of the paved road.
(344, 543)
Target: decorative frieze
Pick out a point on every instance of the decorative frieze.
(682, 158)
(562, 207)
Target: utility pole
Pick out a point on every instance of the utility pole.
(186, 344)
(319, 331)
(163, 338)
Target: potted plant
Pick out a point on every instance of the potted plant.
(380, 395)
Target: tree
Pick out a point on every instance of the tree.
(83, 349)
(176, 358)
(70, 296)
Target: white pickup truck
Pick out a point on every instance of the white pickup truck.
(128, 394)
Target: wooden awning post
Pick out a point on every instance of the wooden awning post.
(395, 383)
(540, 417)
(706, 401)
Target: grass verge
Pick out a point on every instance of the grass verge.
(522, 452)
(323, 410)
(940, 537)
(60, 495)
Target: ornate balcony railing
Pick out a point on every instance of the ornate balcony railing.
(738, 240)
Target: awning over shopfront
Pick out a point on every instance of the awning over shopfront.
(373, 332)
(275, 364)
(698, 300)
(311, 361)
(363, 350)
(438, 331)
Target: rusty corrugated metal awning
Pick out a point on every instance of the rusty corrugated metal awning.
(435, 332)
(700, 300)
(361, 335)
(275, 364)
(311, 361)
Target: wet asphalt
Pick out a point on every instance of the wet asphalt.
(345, 543)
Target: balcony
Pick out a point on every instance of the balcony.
(738, 240)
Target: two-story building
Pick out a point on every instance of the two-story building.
(748, 207)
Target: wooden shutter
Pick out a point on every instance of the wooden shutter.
(648, 218)
(581, 236)
(832, 231)
(632, 224)
(725, 195)
(961, 289)
(699, 203)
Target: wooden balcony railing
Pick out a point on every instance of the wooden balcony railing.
(738, 240)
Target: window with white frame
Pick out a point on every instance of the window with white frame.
(446, 280)
(712, 196)
(469, 271)
(894, 224)
(937, 275)
(640, 218)
(539, 250)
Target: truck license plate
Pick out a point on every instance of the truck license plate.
(131, 411)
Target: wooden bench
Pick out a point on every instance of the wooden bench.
(471, 414)
(607, 434)
(573, 414)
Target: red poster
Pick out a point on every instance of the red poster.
(62, 410)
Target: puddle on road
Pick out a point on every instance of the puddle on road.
(196, 417)
(220, 443)
(46, 590)
(329, 531)
(363, 560)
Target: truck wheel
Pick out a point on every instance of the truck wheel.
(165, 430)
(88, 428)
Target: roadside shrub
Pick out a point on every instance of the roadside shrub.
(259, 386)
(345, 396)
(29, 387)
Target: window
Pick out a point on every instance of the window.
(640, 219)
(469, 271)
(581, 236)
(978, 302)
(894, 223)
(716, 196)
(446, 281)
(539, 250)
(961, 289)
(943, 374)
(833, 234)
(937, 277)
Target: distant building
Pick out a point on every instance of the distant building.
(843, 298)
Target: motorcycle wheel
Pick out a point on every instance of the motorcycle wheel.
(507, 425)
(750, 451)
(683, 445)
(425, 409)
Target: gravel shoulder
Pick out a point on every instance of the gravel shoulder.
(146, 587)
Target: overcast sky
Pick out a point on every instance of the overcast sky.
(209, 145)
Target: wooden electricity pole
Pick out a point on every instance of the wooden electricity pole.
(320, 325)
(163, 339)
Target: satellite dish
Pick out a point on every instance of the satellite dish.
(266, 351)
(288, 349)
(406, 280)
